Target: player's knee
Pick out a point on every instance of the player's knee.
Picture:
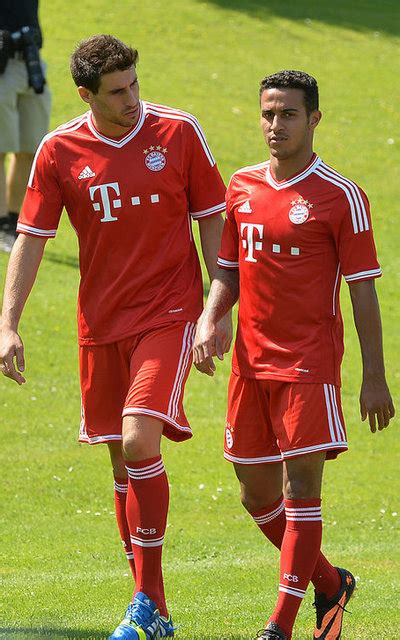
(252, 500)
(136, 446)
(302, 488)
(132, 447)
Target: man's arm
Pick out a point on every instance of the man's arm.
(210, 236)
(23, 266)
(375, 398)
(223, 294)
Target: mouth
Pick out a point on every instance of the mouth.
(277, 139)
(131, 113)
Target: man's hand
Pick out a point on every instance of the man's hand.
(376, 403)
(224, 335)
(11, 347)
(211, 340)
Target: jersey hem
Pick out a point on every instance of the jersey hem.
(282, 377)
(91, 342)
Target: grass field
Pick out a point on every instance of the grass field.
(62, 571)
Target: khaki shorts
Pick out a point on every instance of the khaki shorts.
(24, 115)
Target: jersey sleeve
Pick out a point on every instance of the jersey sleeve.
(42, 206)
(205, 187)
(228, 255)
(353, 234)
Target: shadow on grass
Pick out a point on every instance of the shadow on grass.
(25, 633)
(68, 261)
(71, 634)
(359, 15)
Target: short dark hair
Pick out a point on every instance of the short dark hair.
(290, 79)
(98, 55)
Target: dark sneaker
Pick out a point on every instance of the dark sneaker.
(272, 632)
(330, 612)
(8, 232)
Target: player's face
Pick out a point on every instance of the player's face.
(288, 129)
(115, 106)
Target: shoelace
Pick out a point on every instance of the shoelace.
(337, 605)
(136, 609)
(271, 634)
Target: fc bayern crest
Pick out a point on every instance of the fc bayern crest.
(155, 159)
(300, 210)
(229, 438)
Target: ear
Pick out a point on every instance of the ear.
(315, 118)
(85, 94)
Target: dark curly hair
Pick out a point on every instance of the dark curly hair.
(98, 55)
(290, 79)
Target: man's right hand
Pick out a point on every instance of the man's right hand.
(12, 362)
(205, 346)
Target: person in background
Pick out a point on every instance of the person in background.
(25, 103)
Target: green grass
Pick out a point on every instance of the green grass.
(62, 570)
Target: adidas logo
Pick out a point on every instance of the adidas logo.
(245, 208)
(86, 173)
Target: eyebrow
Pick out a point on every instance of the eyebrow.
(116, 89)
(282, 111)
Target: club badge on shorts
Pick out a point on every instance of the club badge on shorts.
(155, 158)
(229, 437)
(300, 210)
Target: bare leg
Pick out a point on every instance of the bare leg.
(3, 200)
(260, 484)
(17, 179)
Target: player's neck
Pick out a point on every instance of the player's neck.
(284, 168)
(111, 129)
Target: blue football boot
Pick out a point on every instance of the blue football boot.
(141, 621)
(166, 627)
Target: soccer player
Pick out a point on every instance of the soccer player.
(294, 227)
(132, 176)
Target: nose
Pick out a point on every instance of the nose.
(276, 123)
(131, 97)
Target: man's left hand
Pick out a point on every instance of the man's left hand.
(376, 403)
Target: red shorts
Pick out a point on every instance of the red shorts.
(144, 374)
(270, 421)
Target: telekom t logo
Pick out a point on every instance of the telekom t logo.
(105, 192)
(249, 233)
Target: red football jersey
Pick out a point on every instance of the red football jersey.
(292, 241)
(130, 201)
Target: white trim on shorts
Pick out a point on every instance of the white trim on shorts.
(83, 437)
(130, 411)
(288, 454)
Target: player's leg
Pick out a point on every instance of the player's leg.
(120, 497)
(159, 367)
(105, 379)
(147, 502)
(302, 538)
(308, 426)
(261, 495)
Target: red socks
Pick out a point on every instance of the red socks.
(299, 552)
(272, 522)
(147, 510)
(120, 495)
